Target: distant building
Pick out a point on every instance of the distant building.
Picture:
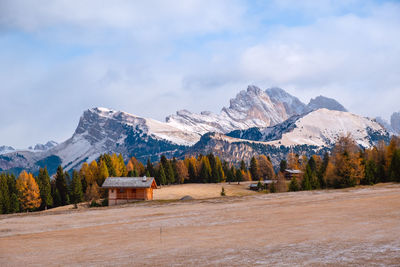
(289, 174)
(264, 184)
(126, 189)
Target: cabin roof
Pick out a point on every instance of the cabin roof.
(293, 171)
(129, 182)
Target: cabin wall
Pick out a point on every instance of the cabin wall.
(112, 196)
(124, 195)
(149, 193)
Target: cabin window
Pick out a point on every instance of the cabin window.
(122, 190)
(112, 190)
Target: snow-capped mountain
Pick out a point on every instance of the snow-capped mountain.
(6, 149)
(43, 147)
(250, 108)
(320, 128)
(325, 102)
(395, 122)
(386, 125)
(102, 130)
(257, 121)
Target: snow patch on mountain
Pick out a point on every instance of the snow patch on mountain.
(319, 128)
(386, 125)
(6, 149)
(43, 147)
(250, 108)
(102, 130)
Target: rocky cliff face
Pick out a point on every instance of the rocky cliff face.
(395, 122)
(256, 122)
(250, 108)
(325, 102)
(102, 130)
(43, 147)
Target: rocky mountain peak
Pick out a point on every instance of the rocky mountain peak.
(395, 122)
(293, 106)
(6, 149)
(325, 102)
(43, 147)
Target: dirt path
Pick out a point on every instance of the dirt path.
(359, 227)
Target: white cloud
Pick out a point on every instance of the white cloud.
(152, 58)
(347, 56)
(138, 20)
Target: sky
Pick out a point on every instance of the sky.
(152, 58)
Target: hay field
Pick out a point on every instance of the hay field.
(352, 227)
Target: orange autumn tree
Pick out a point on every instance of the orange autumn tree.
(28, 189)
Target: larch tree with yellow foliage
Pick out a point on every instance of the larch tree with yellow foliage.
(29, 194)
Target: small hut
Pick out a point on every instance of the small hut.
(126, 189)
(289, 174)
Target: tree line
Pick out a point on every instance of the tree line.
(29, 193)
(347, 165)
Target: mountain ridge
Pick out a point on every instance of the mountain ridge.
(271, 113)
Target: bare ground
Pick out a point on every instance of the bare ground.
(353, 227)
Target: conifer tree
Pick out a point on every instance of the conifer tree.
(322, 171)
(255, 172)
(13, 192)
(283, 165)
(55, 194)
(170, 173)
(370, 173)
(92, 192)
(272, 188)
(29, 194)
(164, 161)
(45, 188)
(102, 173)
(149, 168)
(220, 170)
(76, 186)
(181, 171)
(266, 168)
(306, 182)
(68, 180)
(214, 177)
(14, 203)
(294, 185)
(130, 167)
(312, 164)
(161, 174)
(121, 166)
(83, 172)
(239, 176)
(231, 176)
(205, 170)
(61, 184)
(192, 172)
(395, 166)
(5, 203)
(242, 165)
(110, 166)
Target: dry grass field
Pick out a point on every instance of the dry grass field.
(352, 227)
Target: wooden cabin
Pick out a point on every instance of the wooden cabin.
(127, 189)
(289, 174)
